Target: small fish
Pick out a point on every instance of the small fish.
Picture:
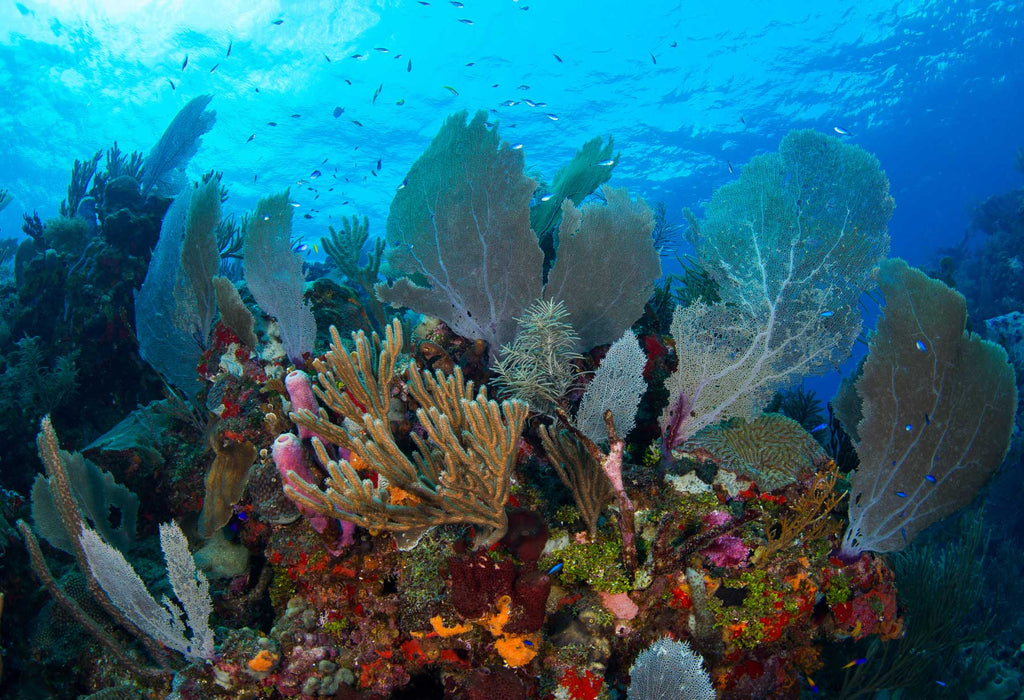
(295, 204)
(185, 62)
(404, 183)
(901, 494)
(743, 121)
(908, 427)
(509, 103)
(323, 161)
(355, 122)
(278, 22)
(456, 3)
(271, 123)
(527, 642)
(810, 682)
(546, 197)
(552, 117)
(327, 58)
(555, 569)
(927, 420)
(408, 66)
(517, 147)
(380, 48)
(855, 662)
(558, 58)
(307, 216)
(251, 137)
(172, 83)
(230, 43)
(296, 116)
(541, 104)
(424, 3)
(524, 86)
(254, 177)
(827, 314)
(470, 64)
(315, 174)
(301, 248)
(243, 516)
(903, 531)
(674, 44)
(378, 163)
(452, 90)
(818, 428)
(400, 102)
(841, 131)
(338, 111)
(358, 56)
(214, 67)
(531, 103)
(376, 93)
(653, 59)
(940, 683)
(466, 21)
(607, 163)
(729, 163)
(347, 81)
(930, 477)
(921, 346)
(315, 249)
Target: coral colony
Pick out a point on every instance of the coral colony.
(506, 463)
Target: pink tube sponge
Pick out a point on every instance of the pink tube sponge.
(300, 393)
(290, 459)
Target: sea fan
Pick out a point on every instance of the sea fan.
(669, 670)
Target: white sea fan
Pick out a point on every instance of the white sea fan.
(617, 386)
(669, 670)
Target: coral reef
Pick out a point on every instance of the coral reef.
(367, 522)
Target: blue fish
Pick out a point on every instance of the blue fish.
(901, 494)
(556, 568)
(908, 427)
(819, 427)
(921, 346)
(929, 477)
(841, 131)
(827, 314)
(903, 531)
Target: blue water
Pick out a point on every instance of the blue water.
(932, 88)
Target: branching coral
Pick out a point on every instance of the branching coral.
(809, 518)
(460, 473)
(344, 247)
